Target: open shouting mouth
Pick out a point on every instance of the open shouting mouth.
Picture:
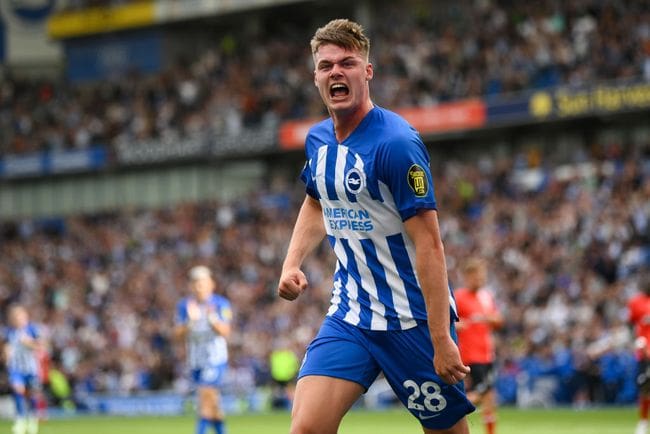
(339, 90)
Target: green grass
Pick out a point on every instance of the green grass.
(511, 421)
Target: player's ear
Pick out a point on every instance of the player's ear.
(369, 72)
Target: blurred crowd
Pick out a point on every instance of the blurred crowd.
(424, 53)
(565, 253)
(567, 246)
(566, 243)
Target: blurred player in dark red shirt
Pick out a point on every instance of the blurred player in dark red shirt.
(639, 317)
(479, 316)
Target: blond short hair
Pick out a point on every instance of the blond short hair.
(342, 33)
(473, 264)
(199, 272)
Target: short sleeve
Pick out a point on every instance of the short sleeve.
(225, 310)
(33, 331)
(307, 177)
(404, 167)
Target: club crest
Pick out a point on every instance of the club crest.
(355, 181)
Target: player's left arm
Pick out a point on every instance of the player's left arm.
(221, 323)
(4, 346)
(221, 327)
(424, 231)
(494, 318)
(180, 329)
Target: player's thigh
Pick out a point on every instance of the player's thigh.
(483, 377)
(406, 358)
(18, 383)
(460, 427)
(208, 380)
(206, 396)
(209, 402)
(338, 367)
(321, 402)
(19, 388)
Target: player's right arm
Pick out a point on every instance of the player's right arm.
(424, 230)
(180, 331)
(6, 353)
(182, 319)
(308, 232)
(4, 346)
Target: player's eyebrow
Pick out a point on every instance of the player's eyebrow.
(328, 62)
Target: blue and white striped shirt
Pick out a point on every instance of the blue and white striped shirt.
(367, 187)
(23, 359)
(205, 347)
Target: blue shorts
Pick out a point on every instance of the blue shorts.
(210, 376)
(28, 381)
(342, 350)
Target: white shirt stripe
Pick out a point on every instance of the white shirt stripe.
(378, 321)
(320, 171)
(336, 294)
(341, 156)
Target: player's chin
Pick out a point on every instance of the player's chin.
(341, 107)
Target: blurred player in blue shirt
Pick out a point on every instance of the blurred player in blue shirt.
(22, 343)
(369, 191)
(203, 320)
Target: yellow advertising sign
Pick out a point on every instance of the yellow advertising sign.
(612, 98)
(98, 20)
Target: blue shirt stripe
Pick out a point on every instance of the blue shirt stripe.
(330, 173)
(342, 277)
(384, 293)
(407, 274)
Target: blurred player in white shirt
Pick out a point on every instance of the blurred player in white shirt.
(22, 344)
(203, 320)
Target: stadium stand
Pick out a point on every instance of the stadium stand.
(432, 55)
